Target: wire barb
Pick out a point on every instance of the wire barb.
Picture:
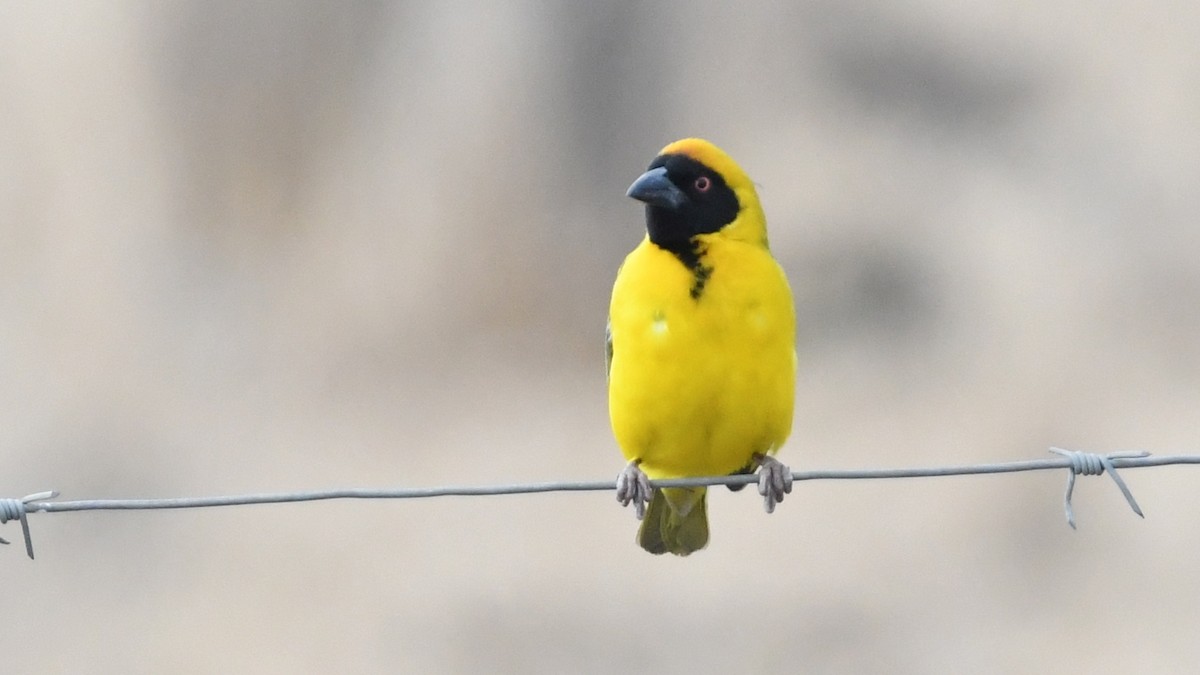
(1093, 464)
(14, 509)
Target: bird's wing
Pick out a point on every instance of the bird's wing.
(608, 350)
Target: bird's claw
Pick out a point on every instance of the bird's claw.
(634, 486)
(774, 481)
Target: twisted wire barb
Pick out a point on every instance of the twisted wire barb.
(11, 509)
(1077, 462)
(1092, 464)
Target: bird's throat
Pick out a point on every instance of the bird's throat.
(691, 254)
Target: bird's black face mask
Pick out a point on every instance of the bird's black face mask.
(683, 198)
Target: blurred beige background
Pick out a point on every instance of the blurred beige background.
(295, 245)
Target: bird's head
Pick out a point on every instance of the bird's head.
(691, 189)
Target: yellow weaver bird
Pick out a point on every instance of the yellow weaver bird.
(701, 345)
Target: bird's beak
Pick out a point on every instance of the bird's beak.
(654, 188)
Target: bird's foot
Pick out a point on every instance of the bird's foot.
(634, 486)
(774, 481)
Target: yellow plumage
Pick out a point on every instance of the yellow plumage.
(702, 354)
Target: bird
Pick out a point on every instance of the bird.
(700, 346)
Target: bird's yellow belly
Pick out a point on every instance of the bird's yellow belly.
(698, 387)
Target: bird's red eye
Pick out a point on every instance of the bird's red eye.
(703, 184)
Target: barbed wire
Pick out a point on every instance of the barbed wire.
(1078, 463)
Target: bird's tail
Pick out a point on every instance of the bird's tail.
(676, 521)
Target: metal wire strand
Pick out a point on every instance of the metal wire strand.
(1093, 464)
(1085, 463)
(14, 509)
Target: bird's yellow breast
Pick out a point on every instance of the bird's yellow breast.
(703, 363)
